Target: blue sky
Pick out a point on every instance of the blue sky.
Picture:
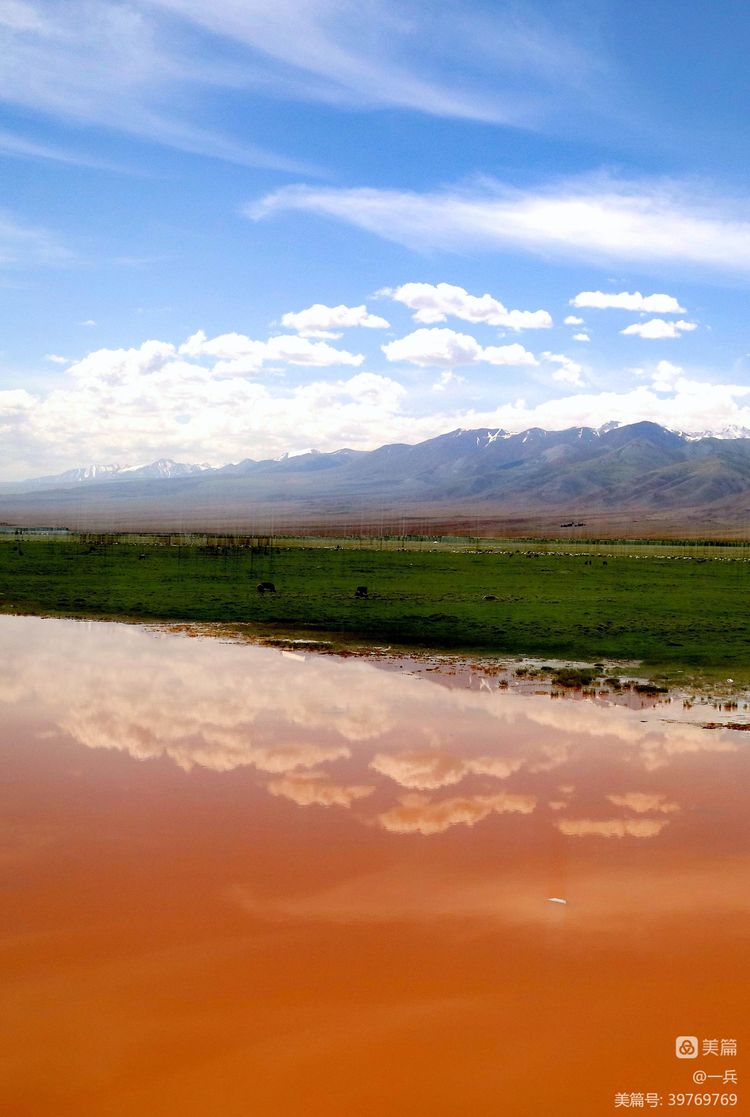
(437, 186)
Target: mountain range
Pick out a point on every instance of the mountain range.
(638, 479)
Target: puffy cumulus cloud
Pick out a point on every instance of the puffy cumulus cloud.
(15, 400)
(313, 789)
(159, 400)
(573, 320)
(650, 221)
(643, 801)
(694, 406)
(427, 770)
(241, 355)
(568, 370)
(581, 337)
(57, 359)
(118, 367)
(325, 321)
(611, 827)
(447, 377)
(666, 376)
(657, 329)
(418, 814)
(627, 300)
(436, 302)
(429, 348)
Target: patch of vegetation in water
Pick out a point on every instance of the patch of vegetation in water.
(573, 677)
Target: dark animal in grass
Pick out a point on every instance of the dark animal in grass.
(489, 597)
(361, 591)
(266, 587)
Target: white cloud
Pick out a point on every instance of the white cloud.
(572, 320)
(380, 55)
(656, 329)
(132, 405)
(431, 347)
(581, 337)
(319, 320)
(205, 401)
(88, 322)
(163, 69)
(15, 400)
(23, 245)
(626, 300)
(241, 355)
(568, 372)
(597, 218)
(436, 302)
(56, 359)
(447, 378)
(22, 148)
(666, 376)
(109, 64)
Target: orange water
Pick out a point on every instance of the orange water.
(238, 882)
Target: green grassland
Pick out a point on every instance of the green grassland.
(671, 607)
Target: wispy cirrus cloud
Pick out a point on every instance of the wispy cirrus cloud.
(159, 69)
(114, 66)
(594, 218)
(24, 245)
(500, 66)
(23, 147)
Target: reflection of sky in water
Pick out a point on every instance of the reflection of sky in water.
(244, 882)
(411, 756)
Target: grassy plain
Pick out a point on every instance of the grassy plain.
(675, 608)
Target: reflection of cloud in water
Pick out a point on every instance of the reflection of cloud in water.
(641, 802)
(224, 705)
(312, 788)
(611, 827)
(426, 771)
(216, 703)
(418, 814)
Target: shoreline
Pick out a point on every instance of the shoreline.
(528, 674)
(676, 623)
